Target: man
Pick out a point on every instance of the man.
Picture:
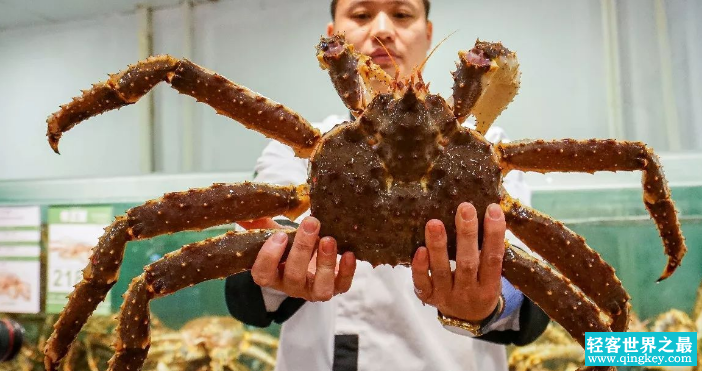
(386, 318)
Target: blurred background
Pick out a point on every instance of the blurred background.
(623, 69)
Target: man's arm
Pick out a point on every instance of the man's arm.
(521, 321)
(531, 322)
(245, 301)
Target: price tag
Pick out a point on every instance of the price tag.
(20, 248)
(73, 232)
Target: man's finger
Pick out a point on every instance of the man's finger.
(323, 285)
(346, 270)
(265, 268)
(493, 250)
(420, 275)
(295, 274)
(441, 276)
(263, 223)
(467, 255)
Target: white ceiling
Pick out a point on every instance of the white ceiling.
(24, 13)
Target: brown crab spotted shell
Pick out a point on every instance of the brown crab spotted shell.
(405, 161)
(374, 182)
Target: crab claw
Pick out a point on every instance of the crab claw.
(353, 74)
(54, 142)
(486, 81)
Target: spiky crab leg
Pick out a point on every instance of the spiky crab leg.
(98, 277)
(569, 253)
(485, 82)
(351, 73)
(589, 156)
(195, 209)
(214, 258)
(554, 293)
(253, 110)
(571, 309)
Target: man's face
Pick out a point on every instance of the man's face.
(401, 26)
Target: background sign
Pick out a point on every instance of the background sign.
(20, 249)
(73, 232)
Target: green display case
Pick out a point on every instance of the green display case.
(616, 224)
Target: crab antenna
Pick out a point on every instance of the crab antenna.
(397, 69)
(421, 66)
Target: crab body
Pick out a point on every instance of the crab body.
(374, 182)
(405, 161)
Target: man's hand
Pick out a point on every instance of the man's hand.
(311, 271)
(471, 292)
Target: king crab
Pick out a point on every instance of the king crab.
(405, 156)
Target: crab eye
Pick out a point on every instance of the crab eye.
(331, 47)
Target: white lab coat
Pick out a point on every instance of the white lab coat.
(396, 331)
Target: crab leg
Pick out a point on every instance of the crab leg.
(572, 310)
(262, 339)
(569, 253)
(195, 209)
(554, 293)
(98, 277)
(351, 73)
(217, 257)
(571, 155)
(485, 82)
(259, 354)
(229, 99)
